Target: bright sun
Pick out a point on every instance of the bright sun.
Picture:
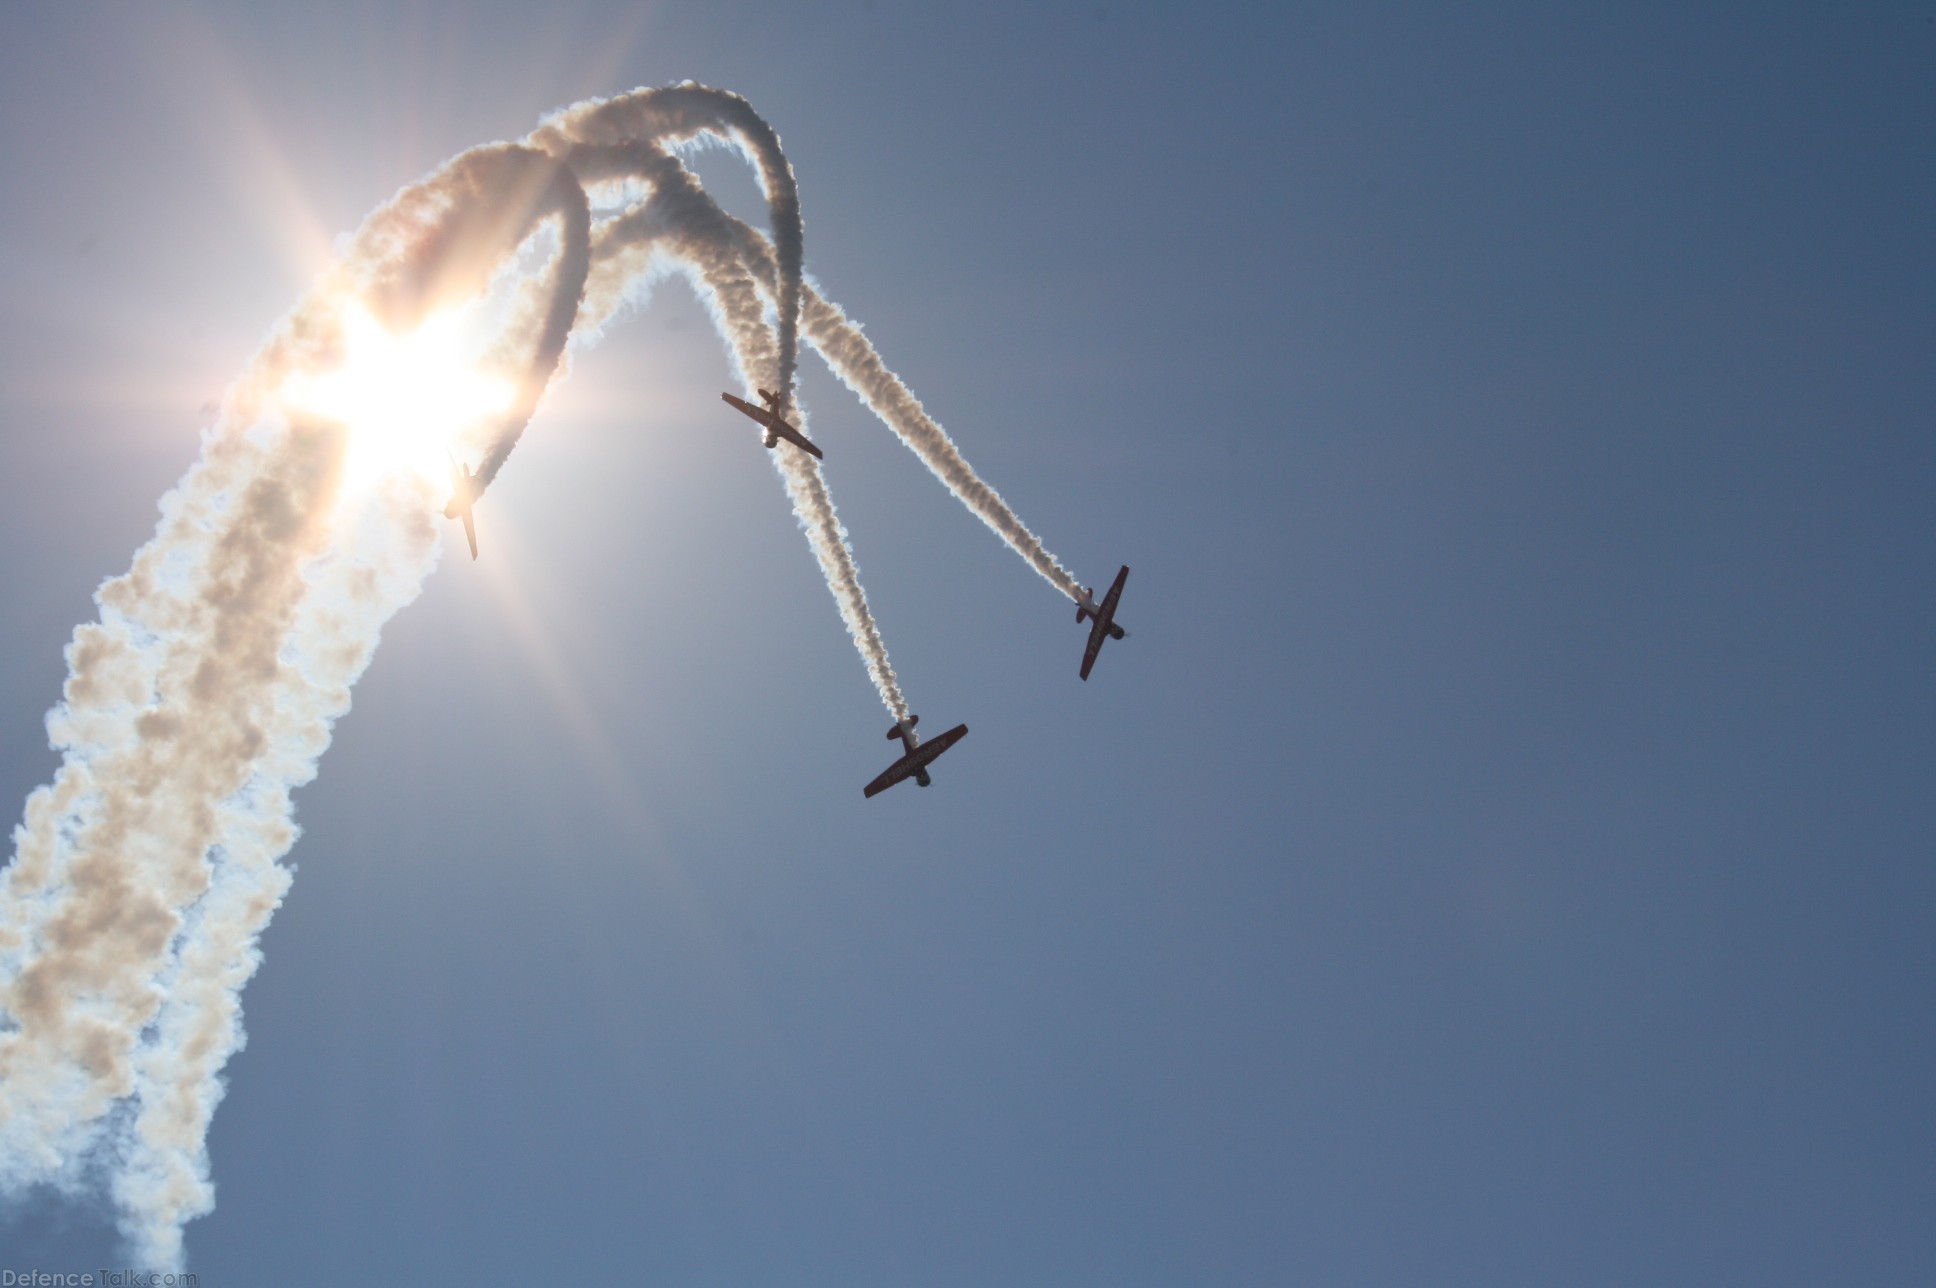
(405, 398)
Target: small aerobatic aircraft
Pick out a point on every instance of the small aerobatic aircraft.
(463, 491)
(776, 426)
(1105, 618)
(919, 755)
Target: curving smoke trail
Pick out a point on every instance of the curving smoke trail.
(145, 872)
(623, 257)
(677, 226)
(456, 232)
(851, 356)
(646, 124)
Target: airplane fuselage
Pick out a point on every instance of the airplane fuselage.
(920, 757)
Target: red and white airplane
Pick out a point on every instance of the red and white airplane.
(1104, 616)
(919, 755)
(775, 425)
(463, 491)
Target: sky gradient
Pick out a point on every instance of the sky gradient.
(1500, 855)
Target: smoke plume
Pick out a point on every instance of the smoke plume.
(675, 226)
(206, 691)
(204, 694)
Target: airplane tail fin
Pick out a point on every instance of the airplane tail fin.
(895, 731)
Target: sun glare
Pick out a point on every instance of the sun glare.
(405, 398)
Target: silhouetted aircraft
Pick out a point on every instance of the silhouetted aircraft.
(919, 754)
(1105, 618)
(776, 426)
(463, 490)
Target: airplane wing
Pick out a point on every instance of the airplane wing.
(1108, 611)
(942, 741)
(915, 760)
(1097, 634)
(774, 424)
(799, 440)
(1105, 621)
(893, 774)
(757, 413)
(463, 493)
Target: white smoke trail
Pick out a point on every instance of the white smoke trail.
(679, 224)
(853, 358)
(734, 296)
(644, 125)
(630, 136)
(145, 872)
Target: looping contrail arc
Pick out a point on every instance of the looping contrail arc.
(206, 691)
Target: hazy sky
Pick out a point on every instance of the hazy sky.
(1501, 854)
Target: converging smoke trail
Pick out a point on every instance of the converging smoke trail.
(594, 139)
(643, 127)
(734, 296)
(852, 357)
(613, 140)
(679, 226)
(144, 874)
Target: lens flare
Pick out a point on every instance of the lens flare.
(405, 398)
(144, 874)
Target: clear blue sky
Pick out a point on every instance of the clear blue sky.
(1501, 854)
